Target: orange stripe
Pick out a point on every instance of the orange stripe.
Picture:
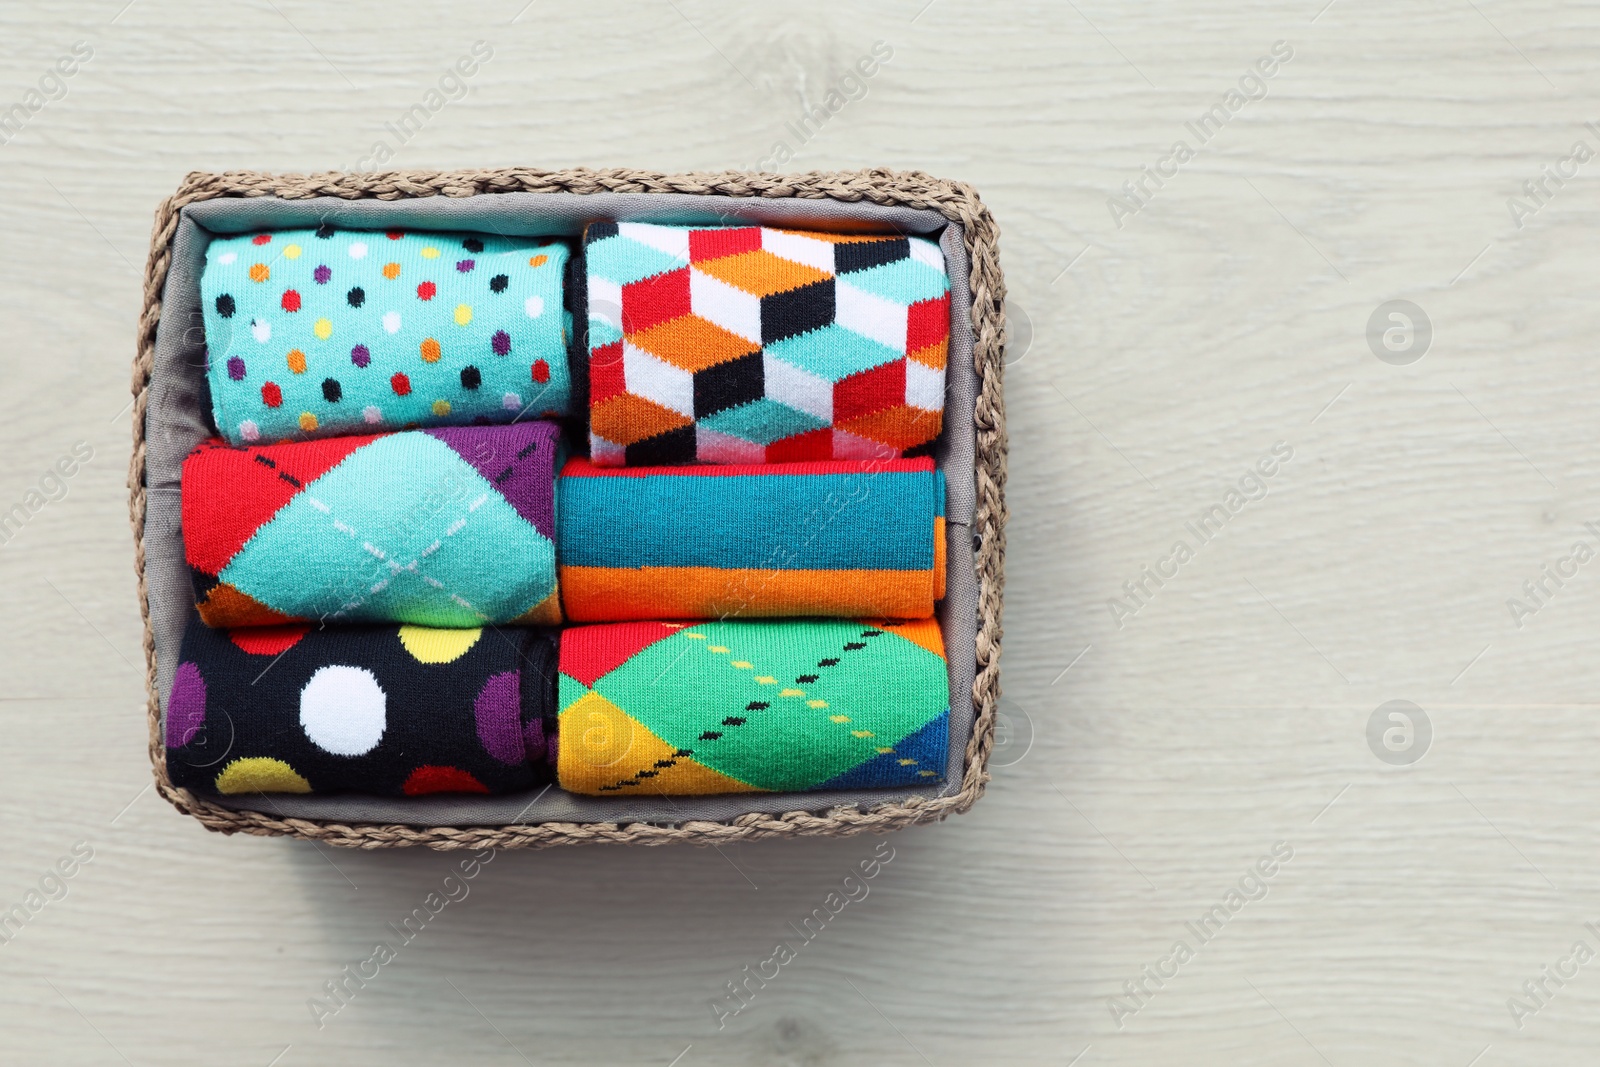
(613, 594)
(938, 557)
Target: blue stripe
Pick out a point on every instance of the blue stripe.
(855, 521)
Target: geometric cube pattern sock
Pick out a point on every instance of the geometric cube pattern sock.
(446, 527)
(743, 706)
(846, 538)
(326, 331)
(757, 345)
(389, 711)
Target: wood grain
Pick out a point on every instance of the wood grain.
(1167, 356)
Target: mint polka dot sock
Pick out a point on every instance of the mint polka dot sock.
(744, 706)
(329, 331)
(387, 710)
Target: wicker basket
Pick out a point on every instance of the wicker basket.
(892, 189)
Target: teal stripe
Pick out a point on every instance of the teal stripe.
(855, 521)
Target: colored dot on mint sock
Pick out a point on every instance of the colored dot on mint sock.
(430, 350)
(291, 251)
(360, 355)
(538, 261)
(259, 272)
(511, 402)
(227, 258)
(226, 306)
(500, 342)
(271, 395)
(473, 245)
(371, 414)
(358, 250)
(308, 421)
(498, 283)
(291, 300)
(463, 314)
(331, 390)
(356, 297)
(235, 368)
(249, 431)
(261, 330)
(471, 378)
(441, 407)
(261, 239)
(430, 252)
(534, 306)
(400, 384)
(322, 274)
(297, 361)
(391, 271)
(465, 265)
(395, 235)
(391, 321)
(323, 328)
(541, 371)
(426, 290)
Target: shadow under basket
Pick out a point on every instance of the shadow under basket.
(169, 420)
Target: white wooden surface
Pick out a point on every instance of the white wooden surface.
(1167, 356)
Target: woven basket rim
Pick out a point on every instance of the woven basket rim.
(956, 201)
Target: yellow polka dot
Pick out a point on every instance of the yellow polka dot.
(391, 271)
(765, 680)
(297, 361)
(430, 252)
(430, 350)
(884, 751)
(697, 637)
(428, 645)
(927, 774)
(441, 407)
(838, 718)
(291, 251)
(463, 314)
(862, 733)
(741, 664)
(716, 648)
(323, 329)
(816, 703)
(538, 261)
(259, 774)
(260, 273)
(793, 693)
(308, 421)
(907, 762)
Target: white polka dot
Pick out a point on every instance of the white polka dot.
(342, 710)
(227, 257)
(372, 414)
(261, 330)
(391, 321)
(534, 306)
(511, 402)
(358, 250)
(249, 431)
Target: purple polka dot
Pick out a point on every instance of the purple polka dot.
(500, 342)
(186, 707)
(322, 274)
(235, 368)
(533, 739)
(360, 355)
(465, 265)
(498, 711)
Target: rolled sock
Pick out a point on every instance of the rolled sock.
(311, 333)
(390, 711)
(835, 538)
(751, 706)
(756, 345)
(446, 527)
